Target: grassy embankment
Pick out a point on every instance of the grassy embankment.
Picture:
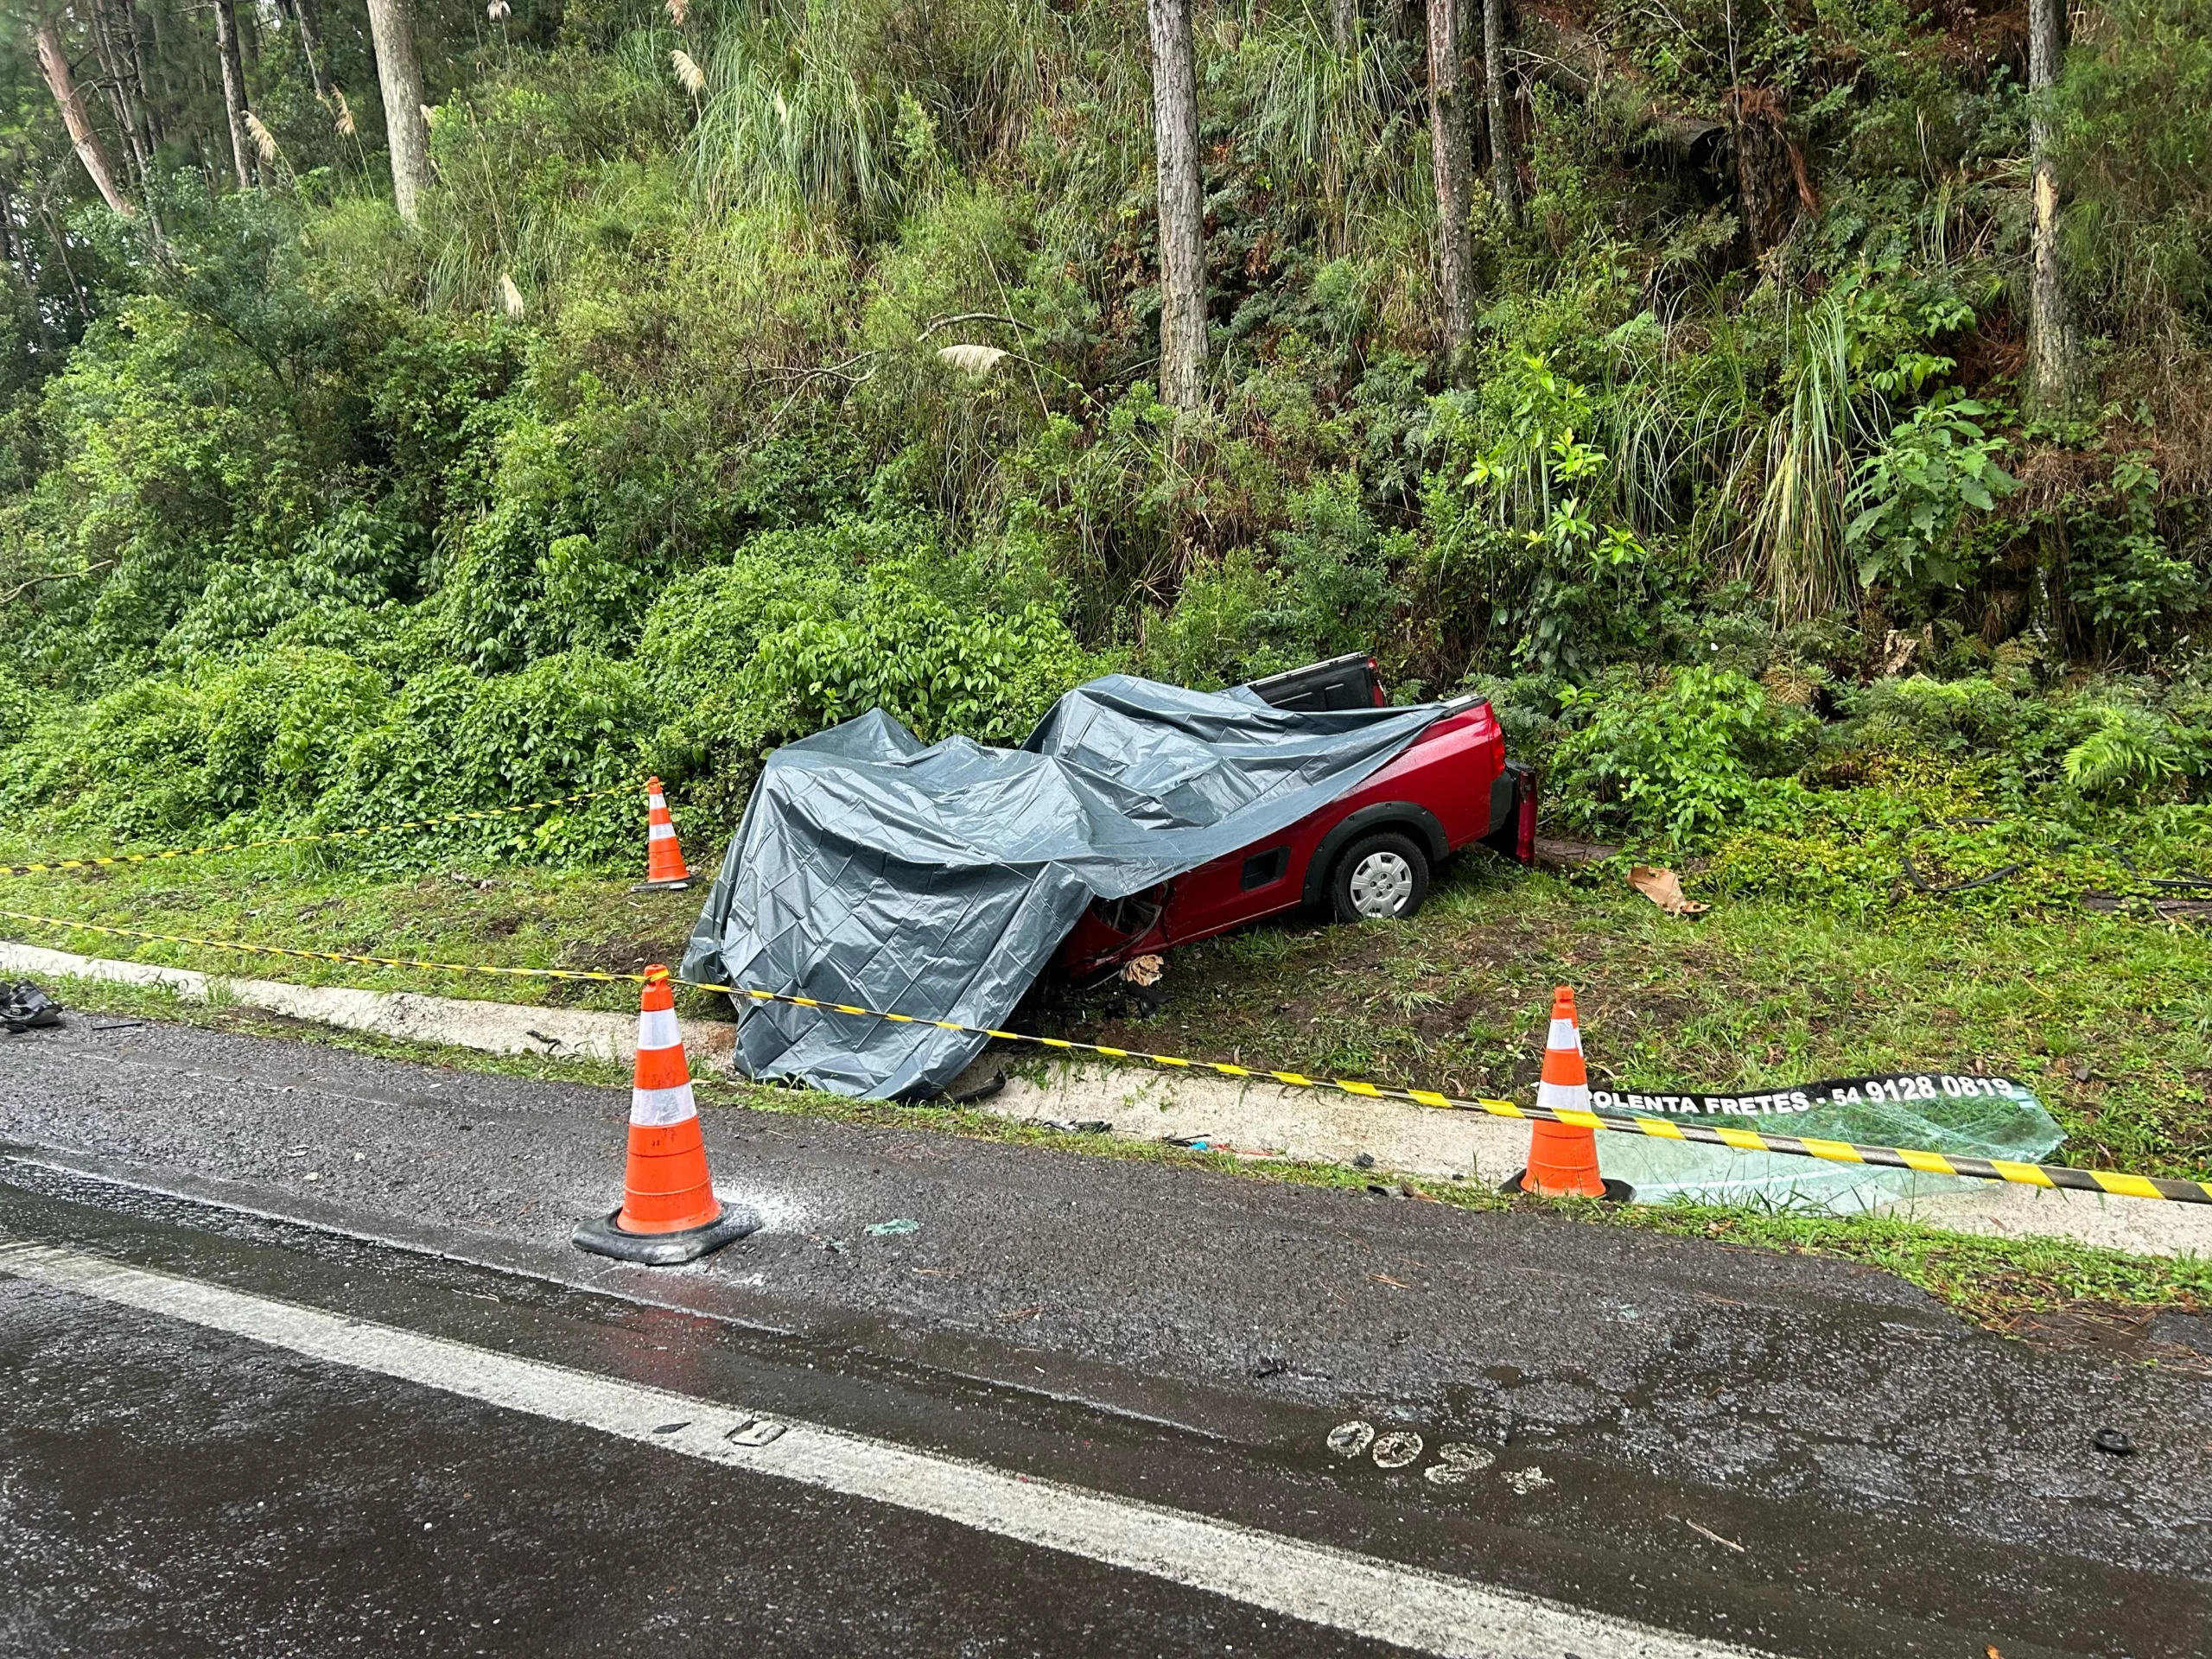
(2109, 1019)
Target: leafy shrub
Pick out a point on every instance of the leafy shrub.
(356, 563)
(1945, 716)
(1917, 494)
(452, 741)
(1219, 632)
(1522, 540)
(1328, 588)
(134, 763)
(279, 727)
(938, 668)
(1678, 759)
(2120, 573)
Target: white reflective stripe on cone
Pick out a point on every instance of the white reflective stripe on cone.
(1564, 1035)
(657, 1028)
(660, 832)
(658, 1107)
(658, 802)
(1564, 1096)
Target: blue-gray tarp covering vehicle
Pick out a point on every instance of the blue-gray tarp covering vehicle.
(938, 880)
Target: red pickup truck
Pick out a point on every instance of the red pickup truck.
(1367, 855)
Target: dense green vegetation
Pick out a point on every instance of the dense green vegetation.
(750, 366)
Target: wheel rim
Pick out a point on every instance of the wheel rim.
(1380, 884)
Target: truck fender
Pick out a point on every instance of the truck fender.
(1409, 816)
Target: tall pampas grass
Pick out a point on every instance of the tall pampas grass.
(688, 75)
(263, 140)
(344, 116)
(511, 300)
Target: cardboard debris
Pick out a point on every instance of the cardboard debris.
(1145, 971)
(1664, 888)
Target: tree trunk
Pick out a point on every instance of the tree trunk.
(301, 15)
(1182, 205)
(1504, 154)
(76, 118)
(140, 79)
(1347, 26)
(1769, 187)
(115, 86)
(243, 155)
(407, 136)
(8, 249)
(2050, 357)
(1454, 168)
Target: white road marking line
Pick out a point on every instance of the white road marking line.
(1359, 1594)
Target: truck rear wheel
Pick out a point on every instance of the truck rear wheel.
(1382, 877)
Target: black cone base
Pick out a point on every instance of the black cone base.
(602, 1237)
(1615, 1191)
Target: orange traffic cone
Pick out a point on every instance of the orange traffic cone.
(670, 1213)
(665, 870)
(1562, 1157)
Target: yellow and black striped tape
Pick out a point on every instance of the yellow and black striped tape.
(299, 841)
(2054, 1176)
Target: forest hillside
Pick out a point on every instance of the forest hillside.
(1798, 416)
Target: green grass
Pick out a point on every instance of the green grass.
(315, 899)
(2010, 1285)
(2108, 1018)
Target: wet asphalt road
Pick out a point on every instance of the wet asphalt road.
(1887, 1480)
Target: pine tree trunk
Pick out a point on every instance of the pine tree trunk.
(1455, 168)
(140, 79)
(8, 251)
(302, 17)
(227, 47)
(114, 86)
(1182, 205)
(1347, 26)
(311, 44)
(1504, 155)
(407, 136)
(77, 119)
(2050, 357)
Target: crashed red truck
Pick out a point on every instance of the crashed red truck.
(1367, 855)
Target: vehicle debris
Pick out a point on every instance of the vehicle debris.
(24, 1008)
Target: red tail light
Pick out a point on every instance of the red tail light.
(1525, 839)
(1375, 678)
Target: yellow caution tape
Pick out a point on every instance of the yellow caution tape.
(301, 840)
(1937, 1163)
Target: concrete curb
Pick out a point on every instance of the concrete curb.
(1255, 1119)
(460, 1022)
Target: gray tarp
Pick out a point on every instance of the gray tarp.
(939, 881)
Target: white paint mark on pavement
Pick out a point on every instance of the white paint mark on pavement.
(1359, 1594)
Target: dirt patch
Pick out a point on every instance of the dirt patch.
(627, 953)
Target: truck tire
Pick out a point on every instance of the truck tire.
(1382, 877)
